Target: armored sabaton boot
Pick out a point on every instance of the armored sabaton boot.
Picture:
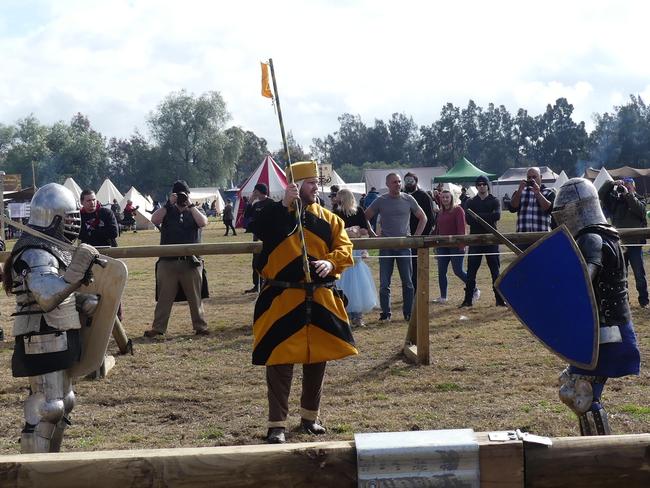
(594, 422)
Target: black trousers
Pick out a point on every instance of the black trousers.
(474, 259)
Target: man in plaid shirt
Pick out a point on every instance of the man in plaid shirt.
(533, 203)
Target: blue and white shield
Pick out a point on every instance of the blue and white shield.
(549, 290)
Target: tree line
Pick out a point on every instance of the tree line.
(189, 139)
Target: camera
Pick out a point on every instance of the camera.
(181, 198)
(619, 188)
(529, 183)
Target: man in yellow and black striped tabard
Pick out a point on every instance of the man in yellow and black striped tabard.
(298, 322)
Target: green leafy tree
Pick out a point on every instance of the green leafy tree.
(28, 146)
(77, 150)
(296, 152)
(562, 142)
(189, 133)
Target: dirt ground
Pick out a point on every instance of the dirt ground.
(487, 372)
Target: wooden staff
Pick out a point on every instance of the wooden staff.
(305, 259)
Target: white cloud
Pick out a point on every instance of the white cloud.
(114, 61)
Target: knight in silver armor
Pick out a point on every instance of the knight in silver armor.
(43, 276)
(578, 207)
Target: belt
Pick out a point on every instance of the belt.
(309, 291)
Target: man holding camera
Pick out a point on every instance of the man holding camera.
(532, 202)
(627, 210)
(180, 223)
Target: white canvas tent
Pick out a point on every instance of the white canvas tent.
(201, 194)
(561, 180)
(107, 192)
(509, 181)
(377, 177)
(358, 189)
(71, 185)
(142, 217)
(603, 176)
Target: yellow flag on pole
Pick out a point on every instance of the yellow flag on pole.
(266, 89)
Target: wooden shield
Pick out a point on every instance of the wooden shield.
(109, 284)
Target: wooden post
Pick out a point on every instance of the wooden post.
(423, 305)
(416, 344)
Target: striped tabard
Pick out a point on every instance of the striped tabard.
(287, 329)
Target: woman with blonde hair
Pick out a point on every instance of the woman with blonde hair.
(451, 222)
(356, 282)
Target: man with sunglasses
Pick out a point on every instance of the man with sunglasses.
(486, 206)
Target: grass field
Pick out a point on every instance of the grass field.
(487, 372)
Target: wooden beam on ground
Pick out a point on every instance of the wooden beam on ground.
(318, 464)
(579, 462)
(594, 462)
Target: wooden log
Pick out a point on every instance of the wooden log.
(318, 464)
(119, 334)
(322, 464)
(365, 243)
(590, 462)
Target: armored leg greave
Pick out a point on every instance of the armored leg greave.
(46, 410)
(582, 395)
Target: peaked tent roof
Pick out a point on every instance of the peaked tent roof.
(603, 176)
(107, 192)
(269, 173)
(142, 217)
(71, 185)
(561, 179)
(463, 170)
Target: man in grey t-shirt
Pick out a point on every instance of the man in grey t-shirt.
(394, 209)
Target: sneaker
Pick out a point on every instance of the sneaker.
(465, 304)
(251, 290)
(202, 332)
(357, 322)
(440, 300)
(384, 317)
(476, 295)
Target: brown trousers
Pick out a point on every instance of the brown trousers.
(171, 275)
(278, 381)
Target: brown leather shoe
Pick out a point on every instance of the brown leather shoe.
(275, 435)
(311, 427)
(152, 333)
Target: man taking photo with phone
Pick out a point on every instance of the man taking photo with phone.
(533, 203)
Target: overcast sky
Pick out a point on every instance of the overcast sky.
(116, 60)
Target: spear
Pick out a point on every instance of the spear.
(305, 259)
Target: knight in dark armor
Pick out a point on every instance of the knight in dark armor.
(44, 276)
(578, 207)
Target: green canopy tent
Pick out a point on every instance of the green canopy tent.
(462, 171)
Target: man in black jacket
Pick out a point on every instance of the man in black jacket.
(486, 206)
(98, 224)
